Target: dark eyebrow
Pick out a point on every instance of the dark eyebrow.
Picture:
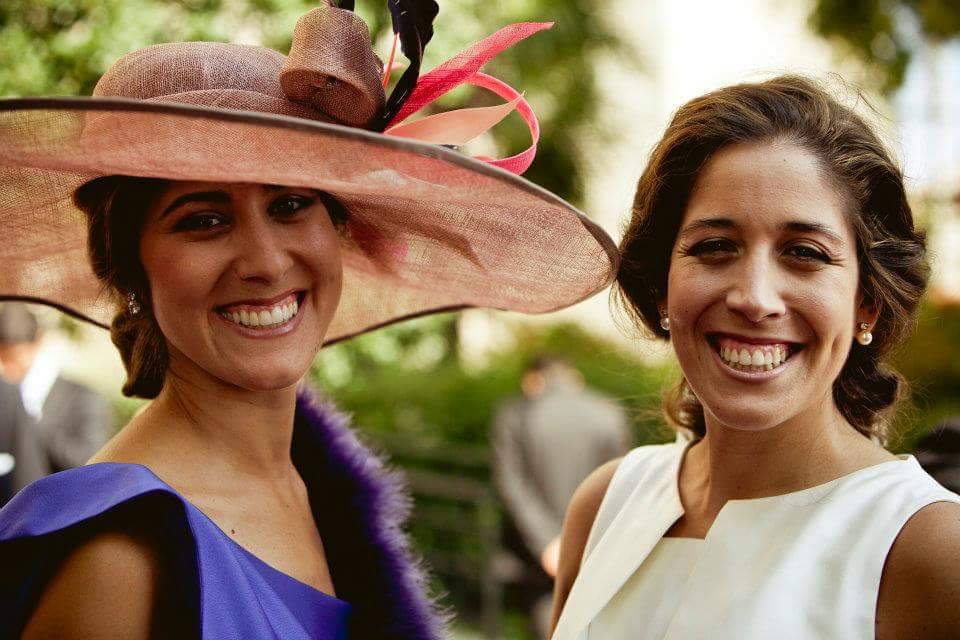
(814, 227)
(708, 223)
(219, 197)
(795, 226)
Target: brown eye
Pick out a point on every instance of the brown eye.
(712, 248)
(288, 206)
(200, 222)
(807, 253)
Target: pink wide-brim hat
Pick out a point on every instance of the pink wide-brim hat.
(429, 229)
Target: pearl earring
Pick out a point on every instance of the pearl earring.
(665, 323)
(864, 336)
(133, 306)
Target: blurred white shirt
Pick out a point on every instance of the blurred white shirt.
(36, 385)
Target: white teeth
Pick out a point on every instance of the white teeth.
(759, 360)
(263, 318)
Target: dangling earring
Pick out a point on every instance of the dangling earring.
(665, 323)
(864, 336)
(133, 306)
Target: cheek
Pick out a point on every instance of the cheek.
(827, 305)
(181, 277)
(690, 291)
(322, 253)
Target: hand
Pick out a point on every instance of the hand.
(550, 557)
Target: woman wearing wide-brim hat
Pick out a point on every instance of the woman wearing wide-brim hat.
(227, 211)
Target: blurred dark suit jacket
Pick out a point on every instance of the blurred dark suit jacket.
(71, 429)
(938, 453)
(12, 415)
(543, 450)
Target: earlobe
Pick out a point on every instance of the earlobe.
(867, 310)
(868, 316)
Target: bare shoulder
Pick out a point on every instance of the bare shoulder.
(581, 513)
(921, 578)
(586, 502)
(121, 579)
(81, 599)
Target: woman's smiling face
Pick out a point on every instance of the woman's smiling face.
(244, 279)
(763, 293)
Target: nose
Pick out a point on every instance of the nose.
(756, 293)
(261, 253)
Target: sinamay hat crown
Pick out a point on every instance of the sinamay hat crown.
(429, 230)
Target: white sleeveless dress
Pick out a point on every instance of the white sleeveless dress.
(799, 566)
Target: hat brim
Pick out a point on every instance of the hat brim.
(430, 229)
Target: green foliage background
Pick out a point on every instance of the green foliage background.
(408, 382)
(929, 361)
(872, 30)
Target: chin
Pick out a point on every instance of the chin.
(268, 379)
(744, 418)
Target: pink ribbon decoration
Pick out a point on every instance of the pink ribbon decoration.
(464, 68)
(456, 127)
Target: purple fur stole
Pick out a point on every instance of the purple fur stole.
(360, 507)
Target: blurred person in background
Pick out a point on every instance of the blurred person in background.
(938, 453)
(772, 243)
(62, 423)
(546, 441)
(11, 417)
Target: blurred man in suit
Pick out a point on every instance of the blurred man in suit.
(61, 423)
(546, 442)
(12, 416)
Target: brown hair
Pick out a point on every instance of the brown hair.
(891, 252)
(116, 208)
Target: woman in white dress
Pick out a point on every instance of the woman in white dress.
(771, 242)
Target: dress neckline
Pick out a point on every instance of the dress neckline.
(797, 498)
(680, 540)
(246, 552)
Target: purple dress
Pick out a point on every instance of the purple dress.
(225, 590)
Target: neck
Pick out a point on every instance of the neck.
(220, 430)
(809, 449)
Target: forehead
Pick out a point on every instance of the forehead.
(765, 186)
